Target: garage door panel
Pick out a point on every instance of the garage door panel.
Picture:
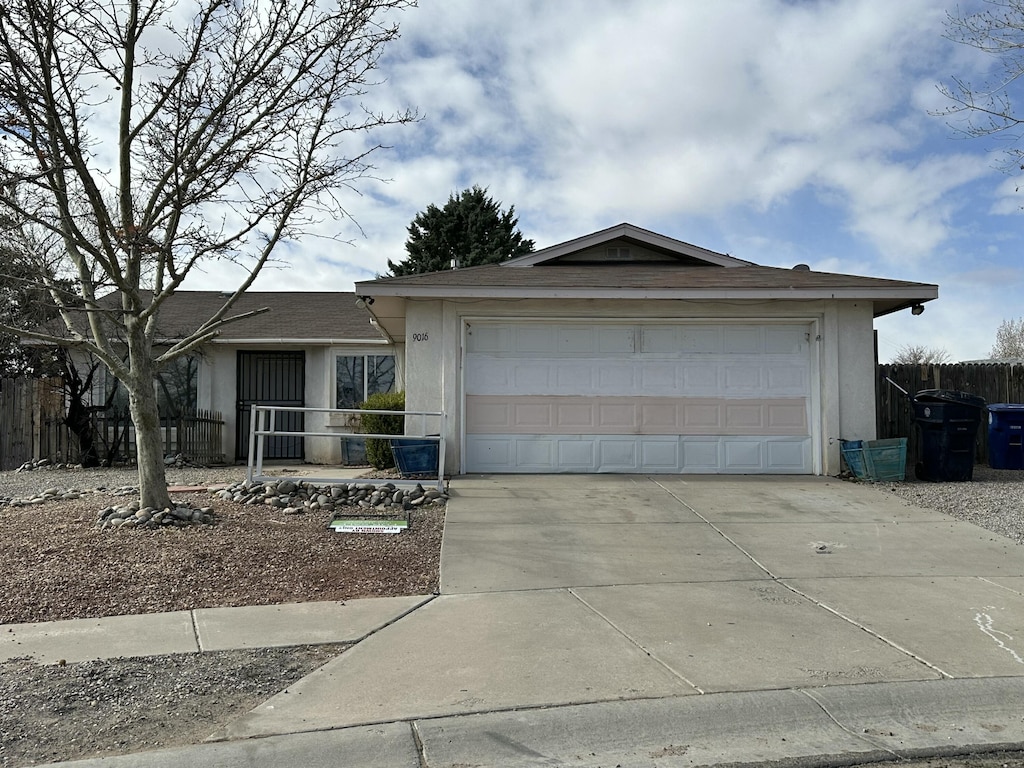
(660, 377)
(700, 339)
(617, 455)
(787, 378)
(788, 417)
(576, 455)
(536, 414)
(534, 340)
(490, 454)
(744, 417)
(532, 377)
(489, 338)
(701, 416)
(658, 455)
(616, 417)
(713, 377)
(638, 453)
(701, 455)
(743, 340)
(743, 379)
(617, 397)
(491, 416)
(576, 339)
(700, 380)
(572, 417)
(489, 375)
(654, 416)
(787, 456)
(574, 378)
(537, 453)
(616, 340)
(785, 340)
(743, 455)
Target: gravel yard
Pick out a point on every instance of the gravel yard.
(994, 500)
(57, 564)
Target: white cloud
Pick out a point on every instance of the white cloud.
(692, 118)
(904, 210)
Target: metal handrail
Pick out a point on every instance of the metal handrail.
(257, 437)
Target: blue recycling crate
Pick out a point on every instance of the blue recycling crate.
(876, 459)
(415, 456)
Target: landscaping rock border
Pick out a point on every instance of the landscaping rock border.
(134, 515)
(298, 497)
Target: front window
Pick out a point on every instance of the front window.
(359, 376)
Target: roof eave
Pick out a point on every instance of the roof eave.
(907, 295)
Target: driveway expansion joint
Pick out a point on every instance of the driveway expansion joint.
(849, 619)
(650, 654)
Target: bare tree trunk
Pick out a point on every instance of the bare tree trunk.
(149, 445)
(146, 418)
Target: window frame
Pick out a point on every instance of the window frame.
(364, 357)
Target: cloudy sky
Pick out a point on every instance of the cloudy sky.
(779, 131)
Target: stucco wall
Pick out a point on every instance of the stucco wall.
(843, 355)
(857, 416)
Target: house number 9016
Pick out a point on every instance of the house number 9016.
(420, 337)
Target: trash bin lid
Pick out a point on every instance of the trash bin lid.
(1006, 407)
(949, 396)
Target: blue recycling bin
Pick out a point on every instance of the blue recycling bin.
(1005, 429)
(415, 456)
(948, 422)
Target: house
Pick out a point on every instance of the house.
(628, 351)
(314, 350)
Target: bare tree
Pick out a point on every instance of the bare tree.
(1009, 340)
(918, 353)
(988, 108)
(142, 138)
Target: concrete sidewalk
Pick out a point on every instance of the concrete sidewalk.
(676, 621)
(203, 629)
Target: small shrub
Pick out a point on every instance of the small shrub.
(378, 452)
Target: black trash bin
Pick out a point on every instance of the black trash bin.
(948, 423)
(1005, 430)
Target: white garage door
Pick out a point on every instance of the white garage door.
(628, 397)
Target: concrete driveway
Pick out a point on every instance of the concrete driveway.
(786, 617)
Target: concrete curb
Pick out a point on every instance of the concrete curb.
(841, 725)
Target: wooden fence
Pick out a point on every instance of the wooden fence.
(196, 436)
(25, 406)
(32, 427)
(995, 382)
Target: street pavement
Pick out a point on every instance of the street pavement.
(642, 621)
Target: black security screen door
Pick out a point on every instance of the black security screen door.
(271, 378)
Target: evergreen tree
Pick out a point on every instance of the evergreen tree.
(471, 229)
